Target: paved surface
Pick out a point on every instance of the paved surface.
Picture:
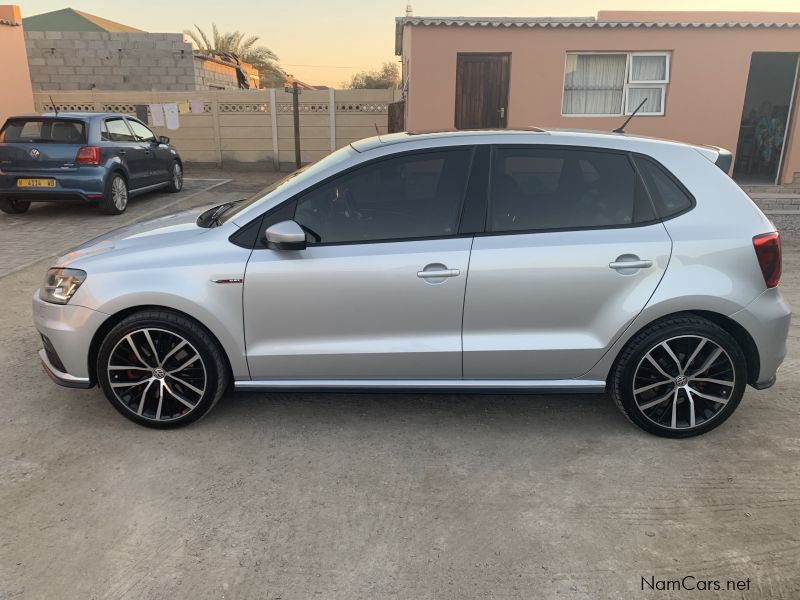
(48, 229)
(291, 496)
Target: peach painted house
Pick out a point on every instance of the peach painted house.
(723, 78)
(16, 95)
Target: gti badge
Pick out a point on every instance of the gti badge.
(35, 153)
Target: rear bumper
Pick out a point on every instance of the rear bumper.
(85, 184)
(69, 331)
(767, 320)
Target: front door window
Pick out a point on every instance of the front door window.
(406, 197)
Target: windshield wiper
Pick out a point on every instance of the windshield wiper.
(211, 217)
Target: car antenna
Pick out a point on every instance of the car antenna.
(55, 108)
(621, 128)
(378, 132)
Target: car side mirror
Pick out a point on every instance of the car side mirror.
(286, 235)
(163, 140)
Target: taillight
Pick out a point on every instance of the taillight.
(768, 252)
(88, 155)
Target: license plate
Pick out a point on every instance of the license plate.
(36, 183)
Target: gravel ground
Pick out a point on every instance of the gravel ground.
(298, 496)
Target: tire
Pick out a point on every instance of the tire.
(14, 207)
(176, 181)
(115, 197)
(697, 393)
(172, 358)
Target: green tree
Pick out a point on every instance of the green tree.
(244, 47)
(387, 77)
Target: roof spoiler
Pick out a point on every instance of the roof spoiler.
(724, 158)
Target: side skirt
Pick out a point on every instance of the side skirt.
(149, 188)
(434, 386)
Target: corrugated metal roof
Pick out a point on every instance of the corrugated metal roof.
(69, 19)
(576, 22)
(556, 22)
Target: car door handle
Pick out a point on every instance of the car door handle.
(630, 264)
(122, 153)
(435, 274)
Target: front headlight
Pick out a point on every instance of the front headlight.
(61, 284)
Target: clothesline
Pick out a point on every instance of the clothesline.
(168, 114)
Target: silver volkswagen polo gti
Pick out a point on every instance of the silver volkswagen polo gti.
(535, 261)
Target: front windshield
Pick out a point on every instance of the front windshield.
(297, 177)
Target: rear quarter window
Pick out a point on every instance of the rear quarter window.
(669, 197)
(43, 131)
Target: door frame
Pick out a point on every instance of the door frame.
(504, 124)
(789, 121)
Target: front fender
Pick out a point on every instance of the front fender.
(175, 271)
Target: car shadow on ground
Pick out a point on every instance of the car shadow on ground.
(535, 414)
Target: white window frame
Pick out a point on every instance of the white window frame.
(625, 109)
(647, 82)
(629, 109)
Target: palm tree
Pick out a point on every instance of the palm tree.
(235, 42)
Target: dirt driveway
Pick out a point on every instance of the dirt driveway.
(299, 496)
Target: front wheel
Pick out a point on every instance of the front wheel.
(680, 377)
(161, 369)
(14, 207)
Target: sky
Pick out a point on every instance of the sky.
(324, 42)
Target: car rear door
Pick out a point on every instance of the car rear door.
(135, 155)
(379, 291)
(572, 254)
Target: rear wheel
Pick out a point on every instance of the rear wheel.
(161, 369)
(680, 377)
(115, 198)
(14, 207)
(176, 181)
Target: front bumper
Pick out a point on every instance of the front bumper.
(767, 320)
(61, 378)
(69, 331)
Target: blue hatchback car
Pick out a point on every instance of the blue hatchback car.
(83, 157)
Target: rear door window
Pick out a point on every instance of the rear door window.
(118, 131)
(554, 188)
(43, 131)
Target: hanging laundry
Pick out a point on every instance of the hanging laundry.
(183, 107)
(141, 112)
(157, 115)
(171, 115)
(198, 107)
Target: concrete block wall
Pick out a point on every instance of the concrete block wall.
(211, 74)
(72, 60)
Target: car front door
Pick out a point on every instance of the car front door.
(572, 255)
(133, 153)
(379, 291)
(159, 155)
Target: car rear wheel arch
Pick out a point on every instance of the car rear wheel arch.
(113, 320)
(739, 333)
(118, 170)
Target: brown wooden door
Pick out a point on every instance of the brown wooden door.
(482, 90)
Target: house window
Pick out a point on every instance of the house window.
(615, 83)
